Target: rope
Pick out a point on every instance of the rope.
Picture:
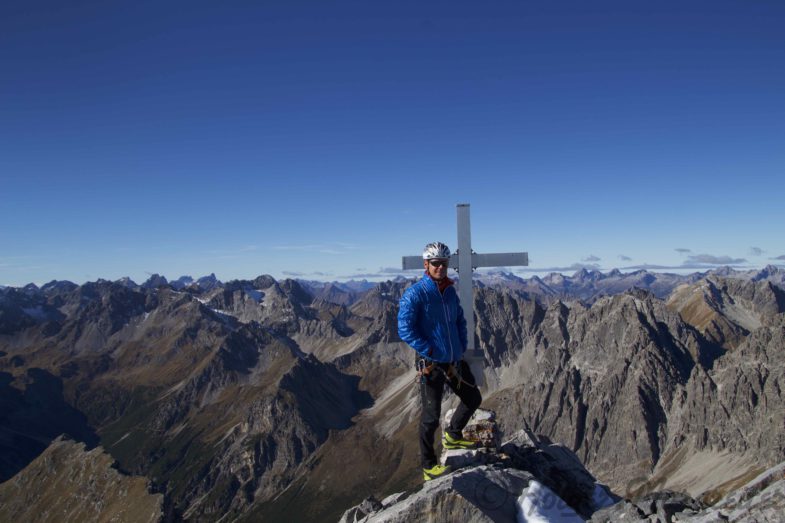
(423, 370)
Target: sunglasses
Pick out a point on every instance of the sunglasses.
(439, 263)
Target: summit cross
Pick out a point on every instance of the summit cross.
(468, 260)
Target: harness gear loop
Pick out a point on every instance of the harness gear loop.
(424, 369)
(451, 373)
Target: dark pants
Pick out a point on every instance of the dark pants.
(431, 390)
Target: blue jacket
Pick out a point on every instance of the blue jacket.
(432, 322)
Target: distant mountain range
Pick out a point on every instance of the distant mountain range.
(294, 400)
(585, 284)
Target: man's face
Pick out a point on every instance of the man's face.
(437, 268)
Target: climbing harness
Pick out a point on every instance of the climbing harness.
(424, 369)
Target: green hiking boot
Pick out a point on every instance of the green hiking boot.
(436, 471)
(450, 443)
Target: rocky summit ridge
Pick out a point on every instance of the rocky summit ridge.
(497, 482)
(267, 400)
(69, 483)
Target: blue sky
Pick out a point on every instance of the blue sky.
(325, 140)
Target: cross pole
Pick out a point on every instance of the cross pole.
(466, 261)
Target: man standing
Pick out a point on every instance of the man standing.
(431, 321)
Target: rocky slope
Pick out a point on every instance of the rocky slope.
(589, 285)
(261, 399)
(526, 476)
(726, 310)
(66, 482)
(601, 380)
(217, 412)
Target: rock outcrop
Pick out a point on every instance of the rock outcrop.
(252, 399)
(726, 310)
(600, 379)
(524, 478)
(220, 411)
(69, 484)
(762, 500)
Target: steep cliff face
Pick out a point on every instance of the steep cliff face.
(218, 411)
(726, 310)
(636, 391)
(601, 379)
(525, 479)
(631, 387)
(68, 483)
(33, 412)
(242, 400)
(737, 405)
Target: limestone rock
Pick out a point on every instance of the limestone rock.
(726, 310)
(479, 494)
(762, 500)
(361, 511)
(557, 468)
(232, 397)
(528, 475)
(660, 507)
(481, 428)
(68, 484)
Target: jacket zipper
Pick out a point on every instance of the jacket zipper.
(447, 317)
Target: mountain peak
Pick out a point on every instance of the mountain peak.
(155, 281)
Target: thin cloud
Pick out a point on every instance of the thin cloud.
(364, 276)
(383, 272)
(588, 266)
(231, 253)
(756, 251)
(391, 270)
(779, 257)
(624, 258)
(654, 267)
(24, 263)
(682, 250)
(710, 259)
(321, 248)
(571, 268)
(591, 258)
(315, 274)
(495, 269)
(295, 247)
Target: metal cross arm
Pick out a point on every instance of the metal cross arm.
(464, 260)
(498, 259)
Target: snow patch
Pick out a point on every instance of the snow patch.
(225, 316)
(539, 504)
(121, 439)
(227, 434)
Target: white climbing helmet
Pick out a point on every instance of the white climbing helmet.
(436, 251)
